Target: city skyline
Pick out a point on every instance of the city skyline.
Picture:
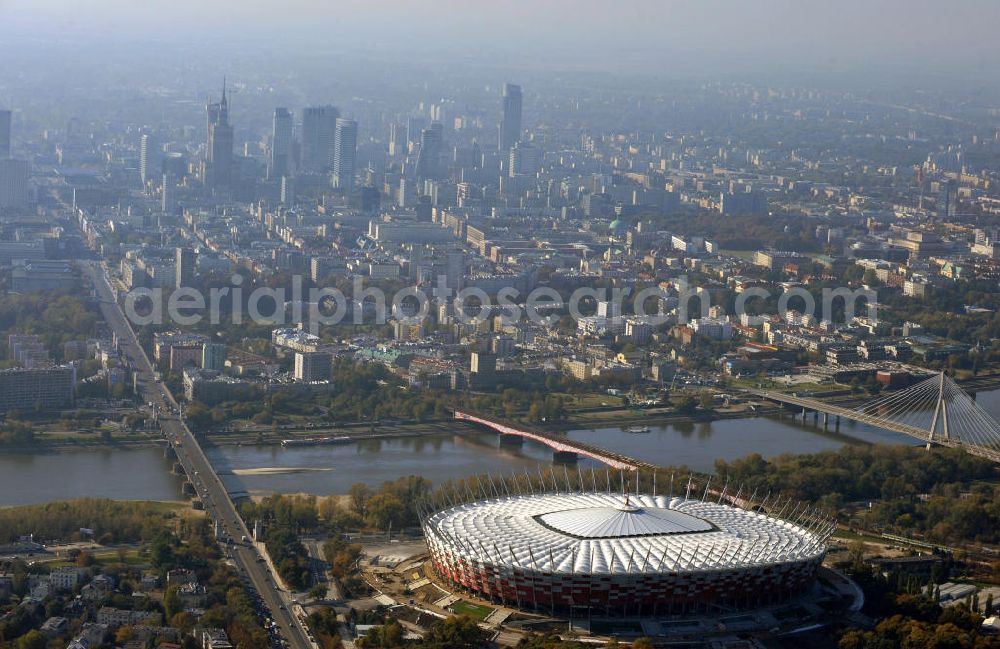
(383, 325)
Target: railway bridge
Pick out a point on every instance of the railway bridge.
(562, 449)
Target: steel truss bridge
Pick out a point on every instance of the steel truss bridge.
(561, 447)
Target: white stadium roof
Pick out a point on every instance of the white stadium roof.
(605, 533)
(625, 519)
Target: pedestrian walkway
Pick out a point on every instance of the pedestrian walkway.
(498, 617)
(417, 585)
(445, 602)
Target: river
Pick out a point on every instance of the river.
(332, 469)
(121, 474)
(143, 473)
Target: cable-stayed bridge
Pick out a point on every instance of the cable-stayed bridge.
(935, 411)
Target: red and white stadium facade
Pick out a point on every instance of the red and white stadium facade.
(620, 554)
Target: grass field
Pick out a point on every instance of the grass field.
(850, 535)
(476, 611)
(742, 254)
(132, 558)
(591, 400)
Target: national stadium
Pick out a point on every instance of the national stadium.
(621, 554)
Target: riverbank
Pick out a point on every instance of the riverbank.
(591, 417)
(624, 417)
(303, 437)
(252, 469)
(65, 446)
(169, 505)
(588, 417)
(237, 438)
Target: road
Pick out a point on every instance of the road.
(859, 415)
(320, 570)
(218, 505)
(334, 597)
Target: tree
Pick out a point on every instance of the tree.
(456, 632)
(172, 603)
(289, 557)
(387, 636)
(852, 639)
(161, 553)
(33, 639)
(856, 554)
(198, 416)
(182, 620)
(324, 624)
(686, 405)
(385, 510)
(124, 634)
(341, 556)
(360, 493)
(16, 433)
(871, 277)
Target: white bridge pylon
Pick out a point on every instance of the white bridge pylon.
(940, 407)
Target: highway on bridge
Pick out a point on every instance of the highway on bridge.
(213, 494)
(859, 415)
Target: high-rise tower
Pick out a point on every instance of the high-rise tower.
(5, 119)
(15, 188)
(397, 140)
(149, 158)
(281, 145)
(218, 168)
(510, 123)
(429, 157)
(345, 151)
(525, 160)
(183, 267)
(414, 126)
(319, 124)
(947, 202)
(168, 197)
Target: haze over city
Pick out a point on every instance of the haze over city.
(656, 38)
(467, 325)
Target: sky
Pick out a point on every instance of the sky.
(958, 36)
